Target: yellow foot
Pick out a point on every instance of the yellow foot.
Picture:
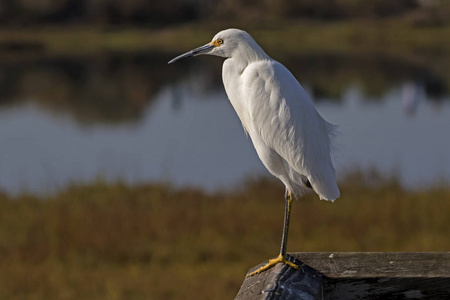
(273, 262)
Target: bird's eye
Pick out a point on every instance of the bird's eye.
(220, 41)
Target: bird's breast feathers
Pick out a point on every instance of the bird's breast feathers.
(273, 105)
(278, 114)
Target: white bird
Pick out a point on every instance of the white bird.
(291, 138)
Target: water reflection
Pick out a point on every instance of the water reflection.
(116, 88)
(133, 117)
(113, 89)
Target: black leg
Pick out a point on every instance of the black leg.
(282, 257)
(287, 217)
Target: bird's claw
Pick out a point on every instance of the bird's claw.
(273, 262)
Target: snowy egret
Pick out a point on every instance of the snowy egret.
(291, 138)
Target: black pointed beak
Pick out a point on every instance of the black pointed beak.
(197, 51)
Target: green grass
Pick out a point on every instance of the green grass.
(389, 36)
(396, 39)
(114, 241)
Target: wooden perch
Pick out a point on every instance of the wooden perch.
(358, 275)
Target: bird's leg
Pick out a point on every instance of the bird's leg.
(287, 217)
(282, 257)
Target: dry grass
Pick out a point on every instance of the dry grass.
(155, 242)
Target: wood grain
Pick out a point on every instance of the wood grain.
(378, 264)
(354, 275)
(283, 282)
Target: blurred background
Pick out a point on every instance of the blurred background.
(122, 177)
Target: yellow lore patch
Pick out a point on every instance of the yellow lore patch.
(217, 42)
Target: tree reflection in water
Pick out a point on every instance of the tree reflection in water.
(131, 116)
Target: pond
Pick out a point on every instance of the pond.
(134, 118)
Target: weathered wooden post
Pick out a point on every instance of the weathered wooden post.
(354, 275)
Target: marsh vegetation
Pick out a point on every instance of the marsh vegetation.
(114, 241)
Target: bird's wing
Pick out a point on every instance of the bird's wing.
(285, 119)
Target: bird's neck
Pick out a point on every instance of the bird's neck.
(247, 55)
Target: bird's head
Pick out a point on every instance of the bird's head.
(225, 44)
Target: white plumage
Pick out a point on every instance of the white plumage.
(292, 140)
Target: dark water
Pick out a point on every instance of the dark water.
(135, 118)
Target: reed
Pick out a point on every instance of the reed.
(153, 241)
